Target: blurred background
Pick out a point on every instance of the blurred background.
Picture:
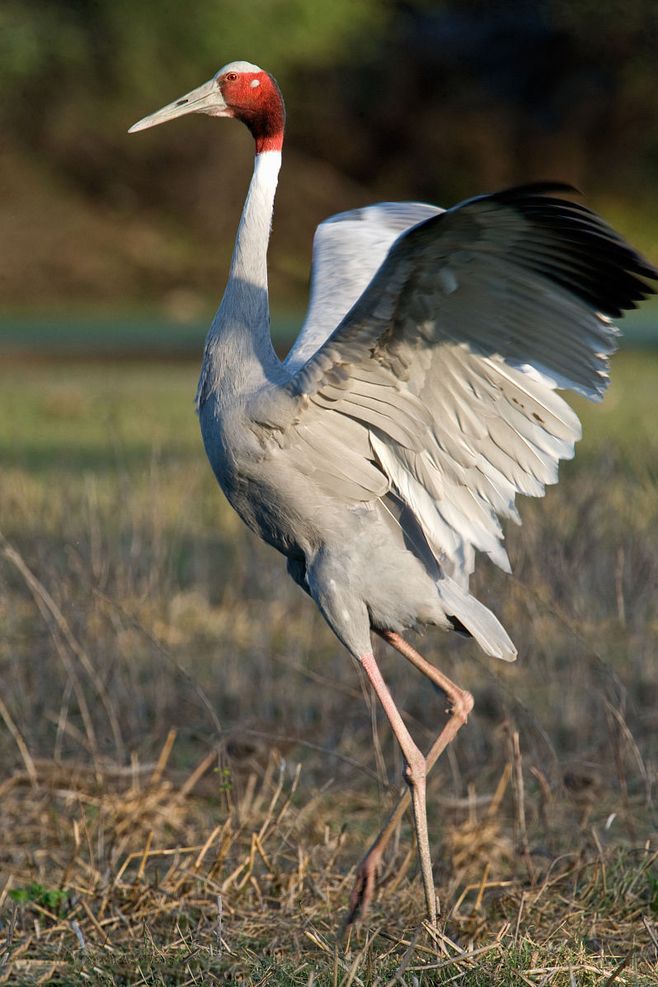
(149, 644)
(114, 256)
(117, 241)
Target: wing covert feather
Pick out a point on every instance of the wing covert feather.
(347, 250)
(451, 355)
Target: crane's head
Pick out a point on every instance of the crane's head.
(239, 90)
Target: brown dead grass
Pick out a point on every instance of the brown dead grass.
(188, 769)
(161, 884)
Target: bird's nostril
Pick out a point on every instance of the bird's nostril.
(181, 102)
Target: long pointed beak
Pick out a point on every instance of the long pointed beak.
(204, 99)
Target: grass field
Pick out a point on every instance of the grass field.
(188, 775)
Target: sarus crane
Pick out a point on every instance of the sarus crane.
(417, 401)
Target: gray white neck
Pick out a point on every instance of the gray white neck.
(249, 261)
(239, 353)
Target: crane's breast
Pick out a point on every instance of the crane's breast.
(258, 480)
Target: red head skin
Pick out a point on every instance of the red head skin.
(255, 98)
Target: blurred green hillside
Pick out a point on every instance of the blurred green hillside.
(386, 99)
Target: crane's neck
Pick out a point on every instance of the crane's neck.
(249, 261)
(239, 353)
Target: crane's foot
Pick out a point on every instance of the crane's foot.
(364, 886)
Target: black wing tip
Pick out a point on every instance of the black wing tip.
(515, 192)
(608, 274)
(587, 231)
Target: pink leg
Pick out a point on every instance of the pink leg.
(415, 776)
(461, 704)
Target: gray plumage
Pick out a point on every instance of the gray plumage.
(420, 396)
(418, 400)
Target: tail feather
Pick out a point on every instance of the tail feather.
(477, 619)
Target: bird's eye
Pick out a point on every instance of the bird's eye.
(232, 76)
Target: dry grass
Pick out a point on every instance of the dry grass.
(129, 878)
(189, 775)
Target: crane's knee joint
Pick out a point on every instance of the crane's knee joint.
(462, 706)
(415, 771)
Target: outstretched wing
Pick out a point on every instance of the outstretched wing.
(348, 248)
(451, 356)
